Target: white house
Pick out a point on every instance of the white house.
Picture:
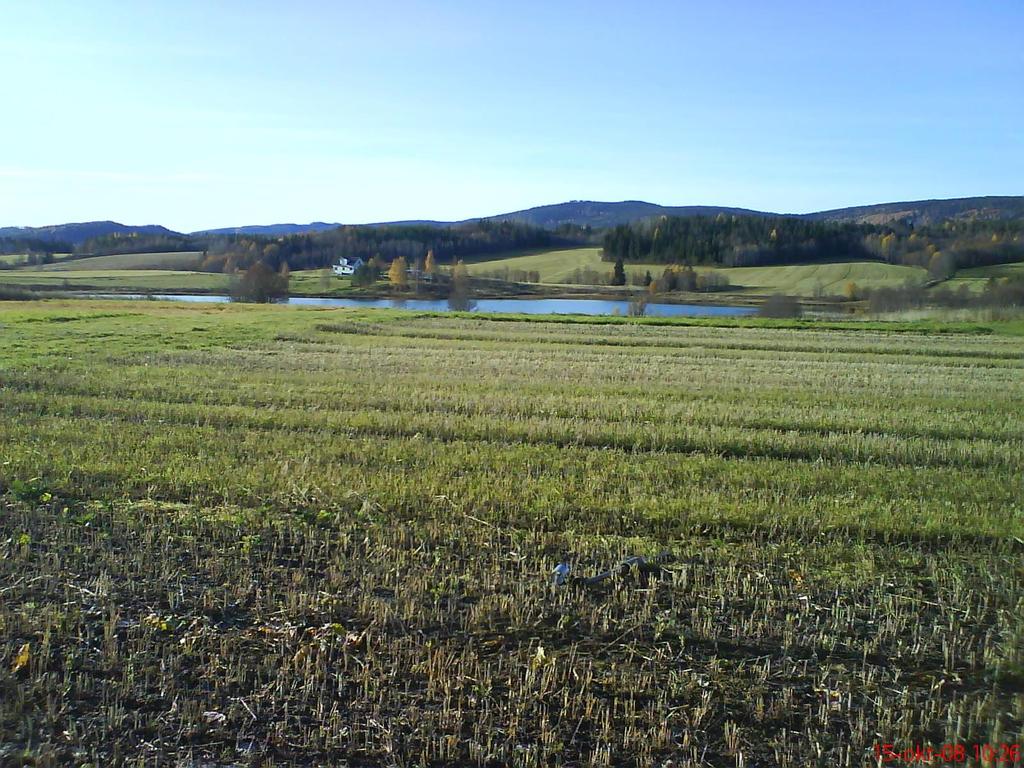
(348, 266)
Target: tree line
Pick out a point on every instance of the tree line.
(733, 241)
(749, 241)
(38, 251)
(387, 243)
(723, 240)
(320, 249)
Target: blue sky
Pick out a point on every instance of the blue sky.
(202, 114)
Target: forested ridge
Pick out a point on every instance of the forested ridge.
(226, 252)
(312, 251)
(726, 239)
(33, 245)
(745, 241)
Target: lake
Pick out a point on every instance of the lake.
(524, 306)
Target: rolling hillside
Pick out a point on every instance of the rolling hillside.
(607, 214)
(172, 271)
(925, 212)
(270, 230)
(175, 260)
(581, 213)
(78, 233)
(118, 280)
(600, 214)
(557, 267)
(553, 266)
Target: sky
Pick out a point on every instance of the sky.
(213, 114)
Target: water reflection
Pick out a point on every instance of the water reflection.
(466, 304)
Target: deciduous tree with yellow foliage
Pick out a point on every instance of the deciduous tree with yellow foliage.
(398, 274)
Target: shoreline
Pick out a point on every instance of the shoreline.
(724, 299)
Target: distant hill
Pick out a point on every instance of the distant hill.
(419, 223)
(597, 214)
(270, 230)
(607, 214)
(580, 213)
(925, 212)
(76, 234)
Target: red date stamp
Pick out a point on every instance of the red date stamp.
(929, 754)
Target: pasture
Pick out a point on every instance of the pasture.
(828, 279)
(318, 282)
(554, 266)
(155, 279)
(976, 279)
(117, 280)
(997, 270)
(808, 280)
(155, 272)
(169, 260)
(270, 535)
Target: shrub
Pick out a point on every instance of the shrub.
(780, 305)
(259, 284)
(365, 276)
(14, 293)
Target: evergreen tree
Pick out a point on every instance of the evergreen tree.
(619, 273)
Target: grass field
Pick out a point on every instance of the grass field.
(976, 279)
(177, 260)
(554, 266)
(998, 270)
(309, 282)
(797, 280)
(136, 272)
(829, 279)
(254, 535)
(122, 280)
(21, 259)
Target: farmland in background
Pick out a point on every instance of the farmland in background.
(144, 272)
(797, 280)
(976, 279)
(123, 280)
(172, 260)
